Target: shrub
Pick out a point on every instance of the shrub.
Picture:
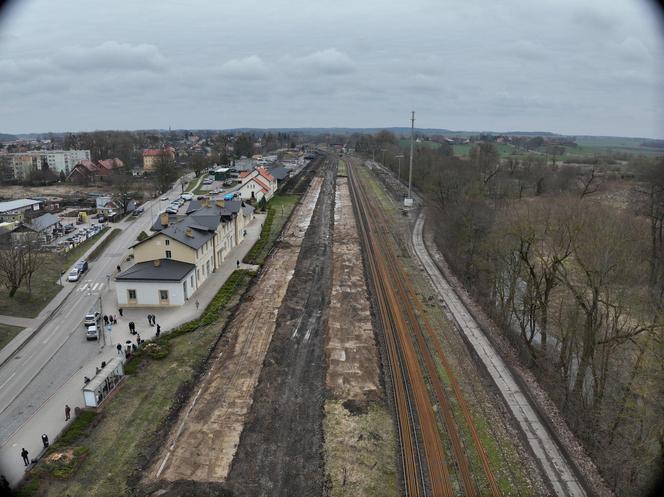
(141, 236)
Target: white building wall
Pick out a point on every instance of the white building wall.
(147, 292)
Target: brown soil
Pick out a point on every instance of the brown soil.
(352, 355)
(204, 439)
(280, 451)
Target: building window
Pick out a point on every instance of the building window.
(192, 281)
(163, 295)
(208, 266)
(167, 242)
(131, 295)
(168, 254)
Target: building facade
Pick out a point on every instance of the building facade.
(151, 157)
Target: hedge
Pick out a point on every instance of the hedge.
(252, 256)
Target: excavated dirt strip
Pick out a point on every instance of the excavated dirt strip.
(352, 354)
(204, 439)
(280, 451)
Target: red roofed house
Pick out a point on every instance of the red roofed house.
(87, 171)
(257, 184)
(151, 155)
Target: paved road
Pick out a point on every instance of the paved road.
(59, 350)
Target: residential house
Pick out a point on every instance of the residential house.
(106, 206)
(188, 250)
(86, 171)
(257, 184)
(42, 226)
(151, 156)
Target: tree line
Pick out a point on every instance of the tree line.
(569, 262)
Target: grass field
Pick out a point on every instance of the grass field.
(7, 333)
(279, 208)
(44, 283)
(131, 421)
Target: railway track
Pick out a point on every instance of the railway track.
(434, 457)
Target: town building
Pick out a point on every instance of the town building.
(23, 164)
(15, 210)
(257, 184)
(171, 264)
(151, 156)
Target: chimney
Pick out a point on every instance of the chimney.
(189, 232)
(220, 204)
(163, 218)
(156, 262)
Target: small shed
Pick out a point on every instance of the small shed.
(221, 173)
(103, 383)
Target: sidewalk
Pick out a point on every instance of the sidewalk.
(49, 417)
(35, 324)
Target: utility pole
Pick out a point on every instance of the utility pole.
(408, 201)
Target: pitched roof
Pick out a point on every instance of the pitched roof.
(280, 173)
(87, 164)
(167, 270)
(42, 222)
(263, 186)
(265, 173)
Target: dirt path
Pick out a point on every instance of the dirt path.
(204, 439)
(280, 451)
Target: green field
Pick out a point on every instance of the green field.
(44, 282)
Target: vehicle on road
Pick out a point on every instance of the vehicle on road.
(92, 318)
(137, 212)
(164, 198)
(186, 196)
(92, 332)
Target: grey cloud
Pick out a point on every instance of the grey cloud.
(329, 62)
(248, 68)
(112, 55)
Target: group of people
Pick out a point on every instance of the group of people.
(110, 319)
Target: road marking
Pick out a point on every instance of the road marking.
(7, 380)
(95, 287)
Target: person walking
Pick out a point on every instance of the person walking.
(120, 311)
(238, 264)
(105, 319)
(45, 440)
(154, 320)
(158, 330)
(115, 319)
(67, 412)
(24, 455)
(197, 304)
(118, 267)
(150, 319)
(119, 347)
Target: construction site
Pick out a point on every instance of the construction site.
(347, 370)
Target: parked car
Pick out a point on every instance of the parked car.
(73, 275)
(172, 209)
(82, 266)
(186, 196)
(92, 332)
(164, 198)
(91, 319)
(101, 219)
(68, 228)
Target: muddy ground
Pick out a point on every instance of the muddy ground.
(204, 439)
(280, 450)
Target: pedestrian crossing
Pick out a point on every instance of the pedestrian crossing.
(90, 286)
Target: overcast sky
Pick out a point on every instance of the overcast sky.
(568, 66)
